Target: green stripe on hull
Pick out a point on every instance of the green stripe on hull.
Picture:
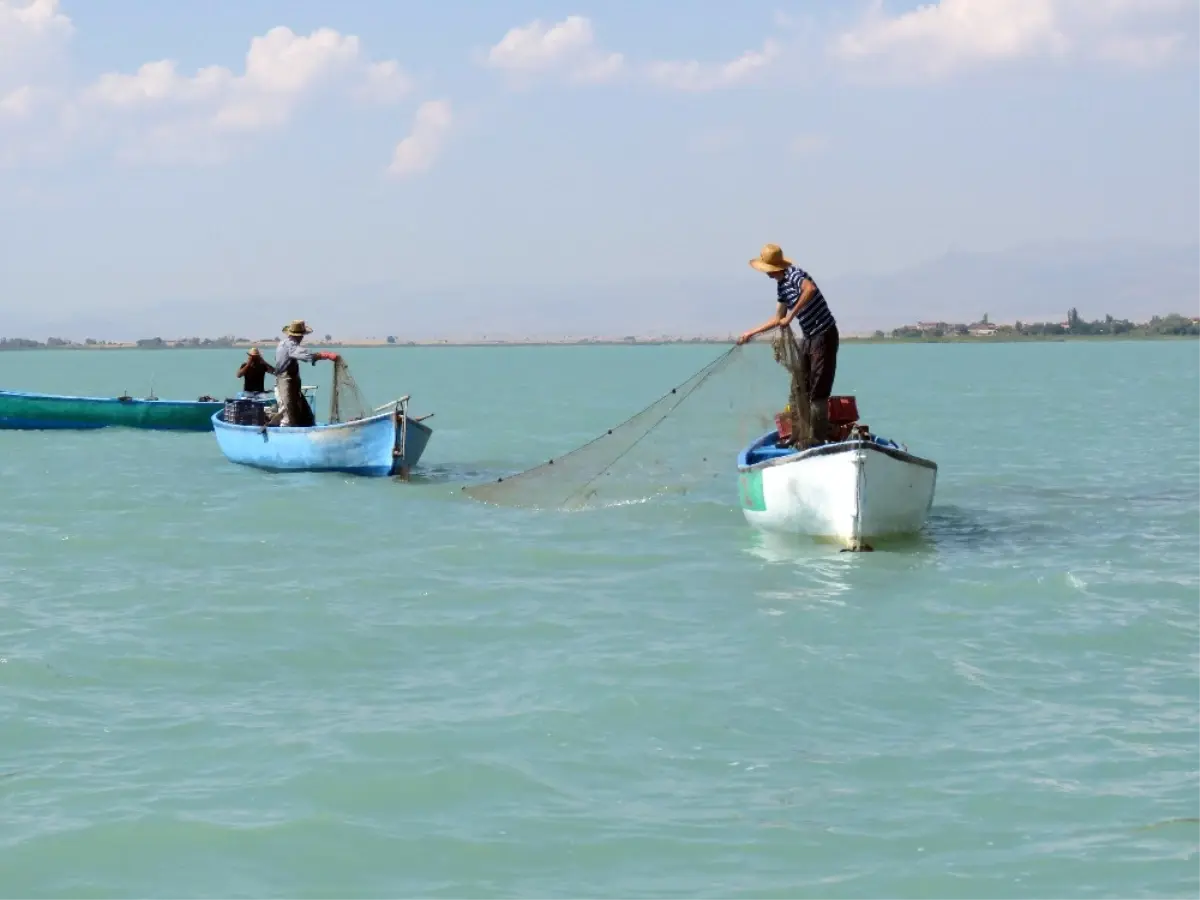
(750, 490)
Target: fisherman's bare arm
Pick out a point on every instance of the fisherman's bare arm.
(807, 291)
(780, 315)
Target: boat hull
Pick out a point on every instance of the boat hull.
(852, 492)
(370, 447)
(27, 411)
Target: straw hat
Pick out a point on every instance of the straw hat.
(297, 326)
(770, 260)
(253, 352)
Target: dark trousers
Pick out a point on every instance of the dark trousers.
(818, 361)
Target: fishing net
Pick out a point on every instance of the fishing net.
(346, 402)
(788, 355)
(637, 459)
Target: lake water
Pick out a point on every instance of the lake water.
(222, 682)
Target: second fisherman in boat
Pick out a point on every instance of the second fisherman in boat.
(253, 373)
(293, 408)
(799, 298)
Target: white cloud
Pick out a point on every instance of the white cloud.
(32, 35)
(385, 82)
(938, 39)
(942, 36)
(697, 76)
(599, 69)
(567, 48)
(26, 21)
(159, 114)
(417, 152)
(534, 47)
(157, 84)
(282, 68)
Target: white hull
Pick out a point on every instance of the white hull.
(852, 493)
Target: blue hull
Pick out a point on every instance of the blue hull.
(369, 446)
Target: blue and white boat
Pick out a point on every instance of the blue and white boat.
(857, 488)
(390, 442)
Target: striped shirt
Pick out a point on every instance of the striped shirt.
(814, 317)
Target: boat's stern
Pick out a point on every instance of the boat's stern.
(411, 439)
(895, 492)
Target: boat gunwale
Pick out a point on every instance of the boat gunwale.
(825, 450)
(128, 401)
(311, 429)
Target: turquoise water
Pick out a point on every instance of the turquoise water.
(220, 682)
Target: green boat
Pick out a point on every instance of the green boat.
(26, 411)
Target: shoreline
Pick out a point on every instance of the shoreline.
(363, 344)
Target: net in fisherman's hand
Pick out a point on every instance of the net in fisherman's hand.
(639, 459)
(346, 402)
(787, 354)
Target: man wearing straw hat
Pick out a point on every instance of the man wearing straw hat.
(293, 408)
(800, 298)
(253, 373)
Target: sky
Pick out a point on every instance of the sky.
(454, 169)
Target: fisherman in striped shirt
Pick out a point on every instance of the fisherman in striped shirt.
(801, 299)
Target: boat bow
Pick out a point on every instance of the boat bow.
(851, 491)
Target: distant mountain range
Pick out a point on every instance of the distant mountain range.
(1032, 283)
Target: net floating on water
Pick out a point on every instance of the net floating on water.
(570, 480)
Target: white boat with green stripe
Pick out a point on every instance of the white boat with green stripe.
(851, 492)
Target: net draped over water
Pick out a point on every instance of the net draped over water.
(687, 437)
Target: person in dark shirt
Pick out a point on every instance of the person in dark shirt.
(253, 372)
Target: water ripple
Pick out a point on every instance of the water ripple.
(218, 682)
